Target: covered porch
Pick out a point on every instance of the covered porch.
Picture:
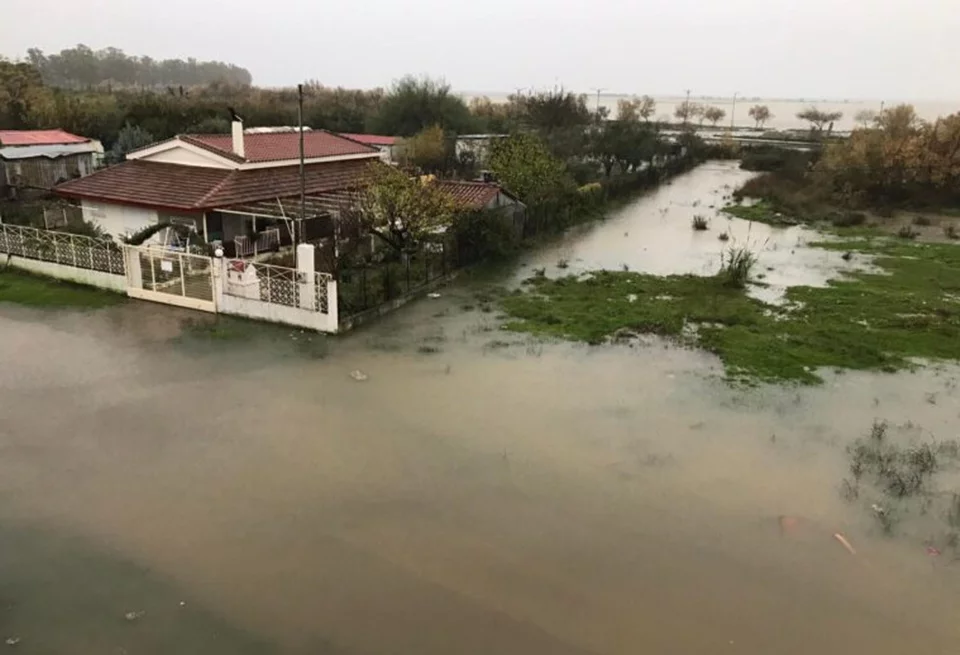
(248, 230)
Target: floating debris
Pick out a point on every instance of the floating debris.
(433, 295)
(843, 542)
(133, 616)
(358, 375)
(12, 641)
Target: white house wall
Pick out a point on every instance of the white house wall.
(185, 157)
(118, 220)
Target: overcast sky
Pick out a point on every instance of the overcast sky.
(893, 49)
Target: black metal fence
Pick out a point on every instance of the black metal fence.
(364, 287)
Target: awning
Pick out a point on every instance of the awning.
(288, 209)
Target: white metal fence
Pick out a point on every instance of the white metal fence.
(170, 276)
(278, 285)
(62, 248)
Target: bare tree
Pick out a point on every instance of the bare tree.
(714, 115)
(760, 114)
(819, 119)
(865, 117)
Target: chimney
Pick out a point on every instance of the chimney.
(237, 127)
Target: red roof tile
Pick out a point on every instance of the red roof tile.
(372, 139)
(38, 138)
(280, 146)
(194, 188)
(470, 195)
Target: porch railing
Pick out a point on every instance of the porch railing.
(266, 241)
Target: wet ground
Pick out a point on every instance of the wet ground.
(479, 492)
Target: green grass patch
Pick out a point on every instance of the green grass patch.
(36, 291)
(868, 321)
(761, 212)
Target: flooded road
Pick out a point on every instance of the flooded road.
(488, 494)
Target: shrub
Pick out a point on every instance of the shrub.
(950, 231)
(907, 232)
(848, 219)
(922, 221)
(738, 262)
(700, 223)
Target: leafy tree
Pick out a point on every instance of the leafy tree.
(625, 143)
(427, 150)
(498, 117)
(82, 67)
(401, 209)
(647, 108)
(714, 115)
(413, 104)
(760, 114)
(524, 165)
(865, 117)
(817, 118)
(549, 111)
(628, 110)
(21, 90)
(130, 138)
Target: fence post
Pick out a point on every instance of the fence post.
(73, 250)
(406, 260)
(153, 273)
(109, 259)
(363, 285)
(183, 277)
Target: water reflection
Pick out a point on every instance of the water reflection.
(654, 235)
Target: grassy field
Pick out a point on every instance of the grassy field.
(869, 321)
(36, 291)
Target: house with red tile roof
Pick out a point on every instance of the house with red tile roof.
(479, 196)
(389, 146)
(39, 159)
(209, 182)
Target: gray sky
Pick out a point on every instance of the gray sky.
(893, 49)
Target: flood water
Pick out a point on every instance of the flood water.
(494, 495)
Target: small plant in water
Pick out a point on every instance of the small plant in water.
(562, 263)
(899, 479)
(724, 236)
(907, 232)
(700, 223)
(950, 231)
(922, 221)
(738, 262)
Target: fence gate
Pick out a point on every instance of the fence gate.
(174, 278)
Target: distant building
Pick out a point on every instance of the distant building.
(40, 159)
(389, 146)
(480, 196)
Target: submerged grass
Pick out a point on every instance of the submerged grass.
(870, 321)
(760, 212)
(36, 291)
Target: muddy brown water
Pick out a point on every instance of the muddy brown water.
(501, 495)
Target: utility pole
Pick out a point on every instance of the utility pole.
(598, 90)
(303, 182)
(733, 111)
(686, 108)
